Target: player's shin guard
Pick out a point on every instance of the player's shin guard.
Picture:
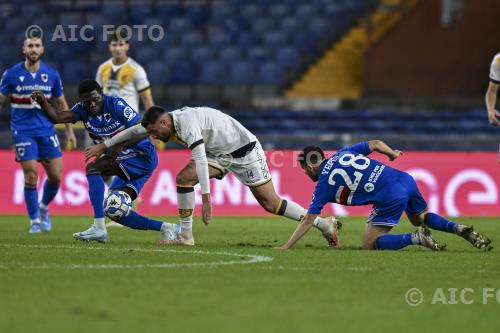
(96, 194)
(296, 212)
(49, 192)
(393, 242)
(186, 204)
(31, 200)
(136, 221)
(436, 222)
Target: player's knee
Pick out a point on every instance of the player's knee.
(418, 220)
(31, 177)
(184, 179)
(54, 180)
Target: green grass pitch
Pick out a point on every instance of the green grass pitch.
(51, 283)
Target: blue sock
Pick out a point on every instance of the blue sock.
(49, 192)
(31, 200)
(436, 222)
(136, 221)
(96, 194)
(393, 242)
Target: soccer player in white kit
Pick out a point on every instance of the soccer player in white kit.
(219, 144)
(491, 94)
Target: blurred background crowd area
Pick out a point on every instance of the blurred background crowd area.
(410, 72)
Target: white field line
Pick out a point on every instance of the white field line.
(251, 259)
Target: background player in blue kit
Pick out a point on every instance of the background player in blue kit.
(33, 133)
(350, 178)
(103, 117)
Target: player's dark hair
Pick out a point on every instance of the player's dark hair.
(87, 86)
(152, 115)
(118, 35)
(311, 156)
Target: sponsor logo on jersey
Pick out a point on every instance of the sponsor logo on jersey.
(128, 113)
(21, 78)
(45, 77)
(369, 187)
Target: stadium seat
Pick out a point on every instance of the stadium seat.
(269, 73)
(157, 72)
(218, 39)
(146, 54)
(279, 10)
(290, 26)
(192, 39)
(213, 72)
(198, 13)
(275, 40)
(258, 53)
(174, 54)
(179, 26)
(201, 54)
(139, 11)
(185, 72)
(230, 54)
(263, 25)
(241, 72)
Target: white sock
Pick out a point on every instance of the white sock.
(186, 204)
(322, 223)
(34, 221)
(99, 223)
(296, 212)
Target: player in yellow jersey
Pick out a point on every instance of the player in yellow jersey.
(121, 76)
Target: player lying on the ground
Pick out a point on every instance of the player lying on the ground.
(219, 144)
(352, 179)
(103, 117)
(33, 134)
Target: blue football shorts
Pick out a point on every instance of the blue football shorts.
(37, 147)
(402, 196)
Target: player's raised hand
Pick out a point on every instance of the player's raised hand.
(38, 96)
(94, 151)
(396, 154)
(493, 118)
(206, 209)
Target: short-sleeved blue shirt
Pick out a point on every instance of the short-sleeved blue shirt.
(352, 179)
(18, 83)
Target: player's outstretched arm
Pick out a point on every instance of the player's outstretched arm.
(383, 148)
(301, 230)
(133, 133)
(56, 116)
(68, 128)
(201, 162)
(2, 100)
(491, 101)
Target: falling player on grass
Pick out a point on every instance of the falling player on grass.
(219, 144)
(103, 117)
(352, 179)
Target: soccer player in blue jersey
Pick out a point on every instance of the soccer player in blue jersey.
(103, 116)
(33, 133)
(350, 178)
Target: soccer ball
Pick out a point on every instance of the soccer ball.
(117, 205)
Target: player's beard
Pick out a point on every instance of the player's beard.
(33, 57)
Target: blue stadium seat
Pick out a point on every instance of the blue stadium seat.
(221, 11)
(146, 54)
(258, 53)
(305, 12)
(290, 26)
(74, 71)
(201, 54)
(230, 54)
(114, 12)
(248, 39)
(278, 11)
(218, 39)
(179, 25)
(263, 25)
(139, 11)
(288, 57)
(213, 72)
(184, 72)
(269, 73)
(241, 72)
(275, 40)
(198, 13)
(30, 11)
(169, 9)
(251, 12)
(173, 55)
(192, 39)
(157, 72)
